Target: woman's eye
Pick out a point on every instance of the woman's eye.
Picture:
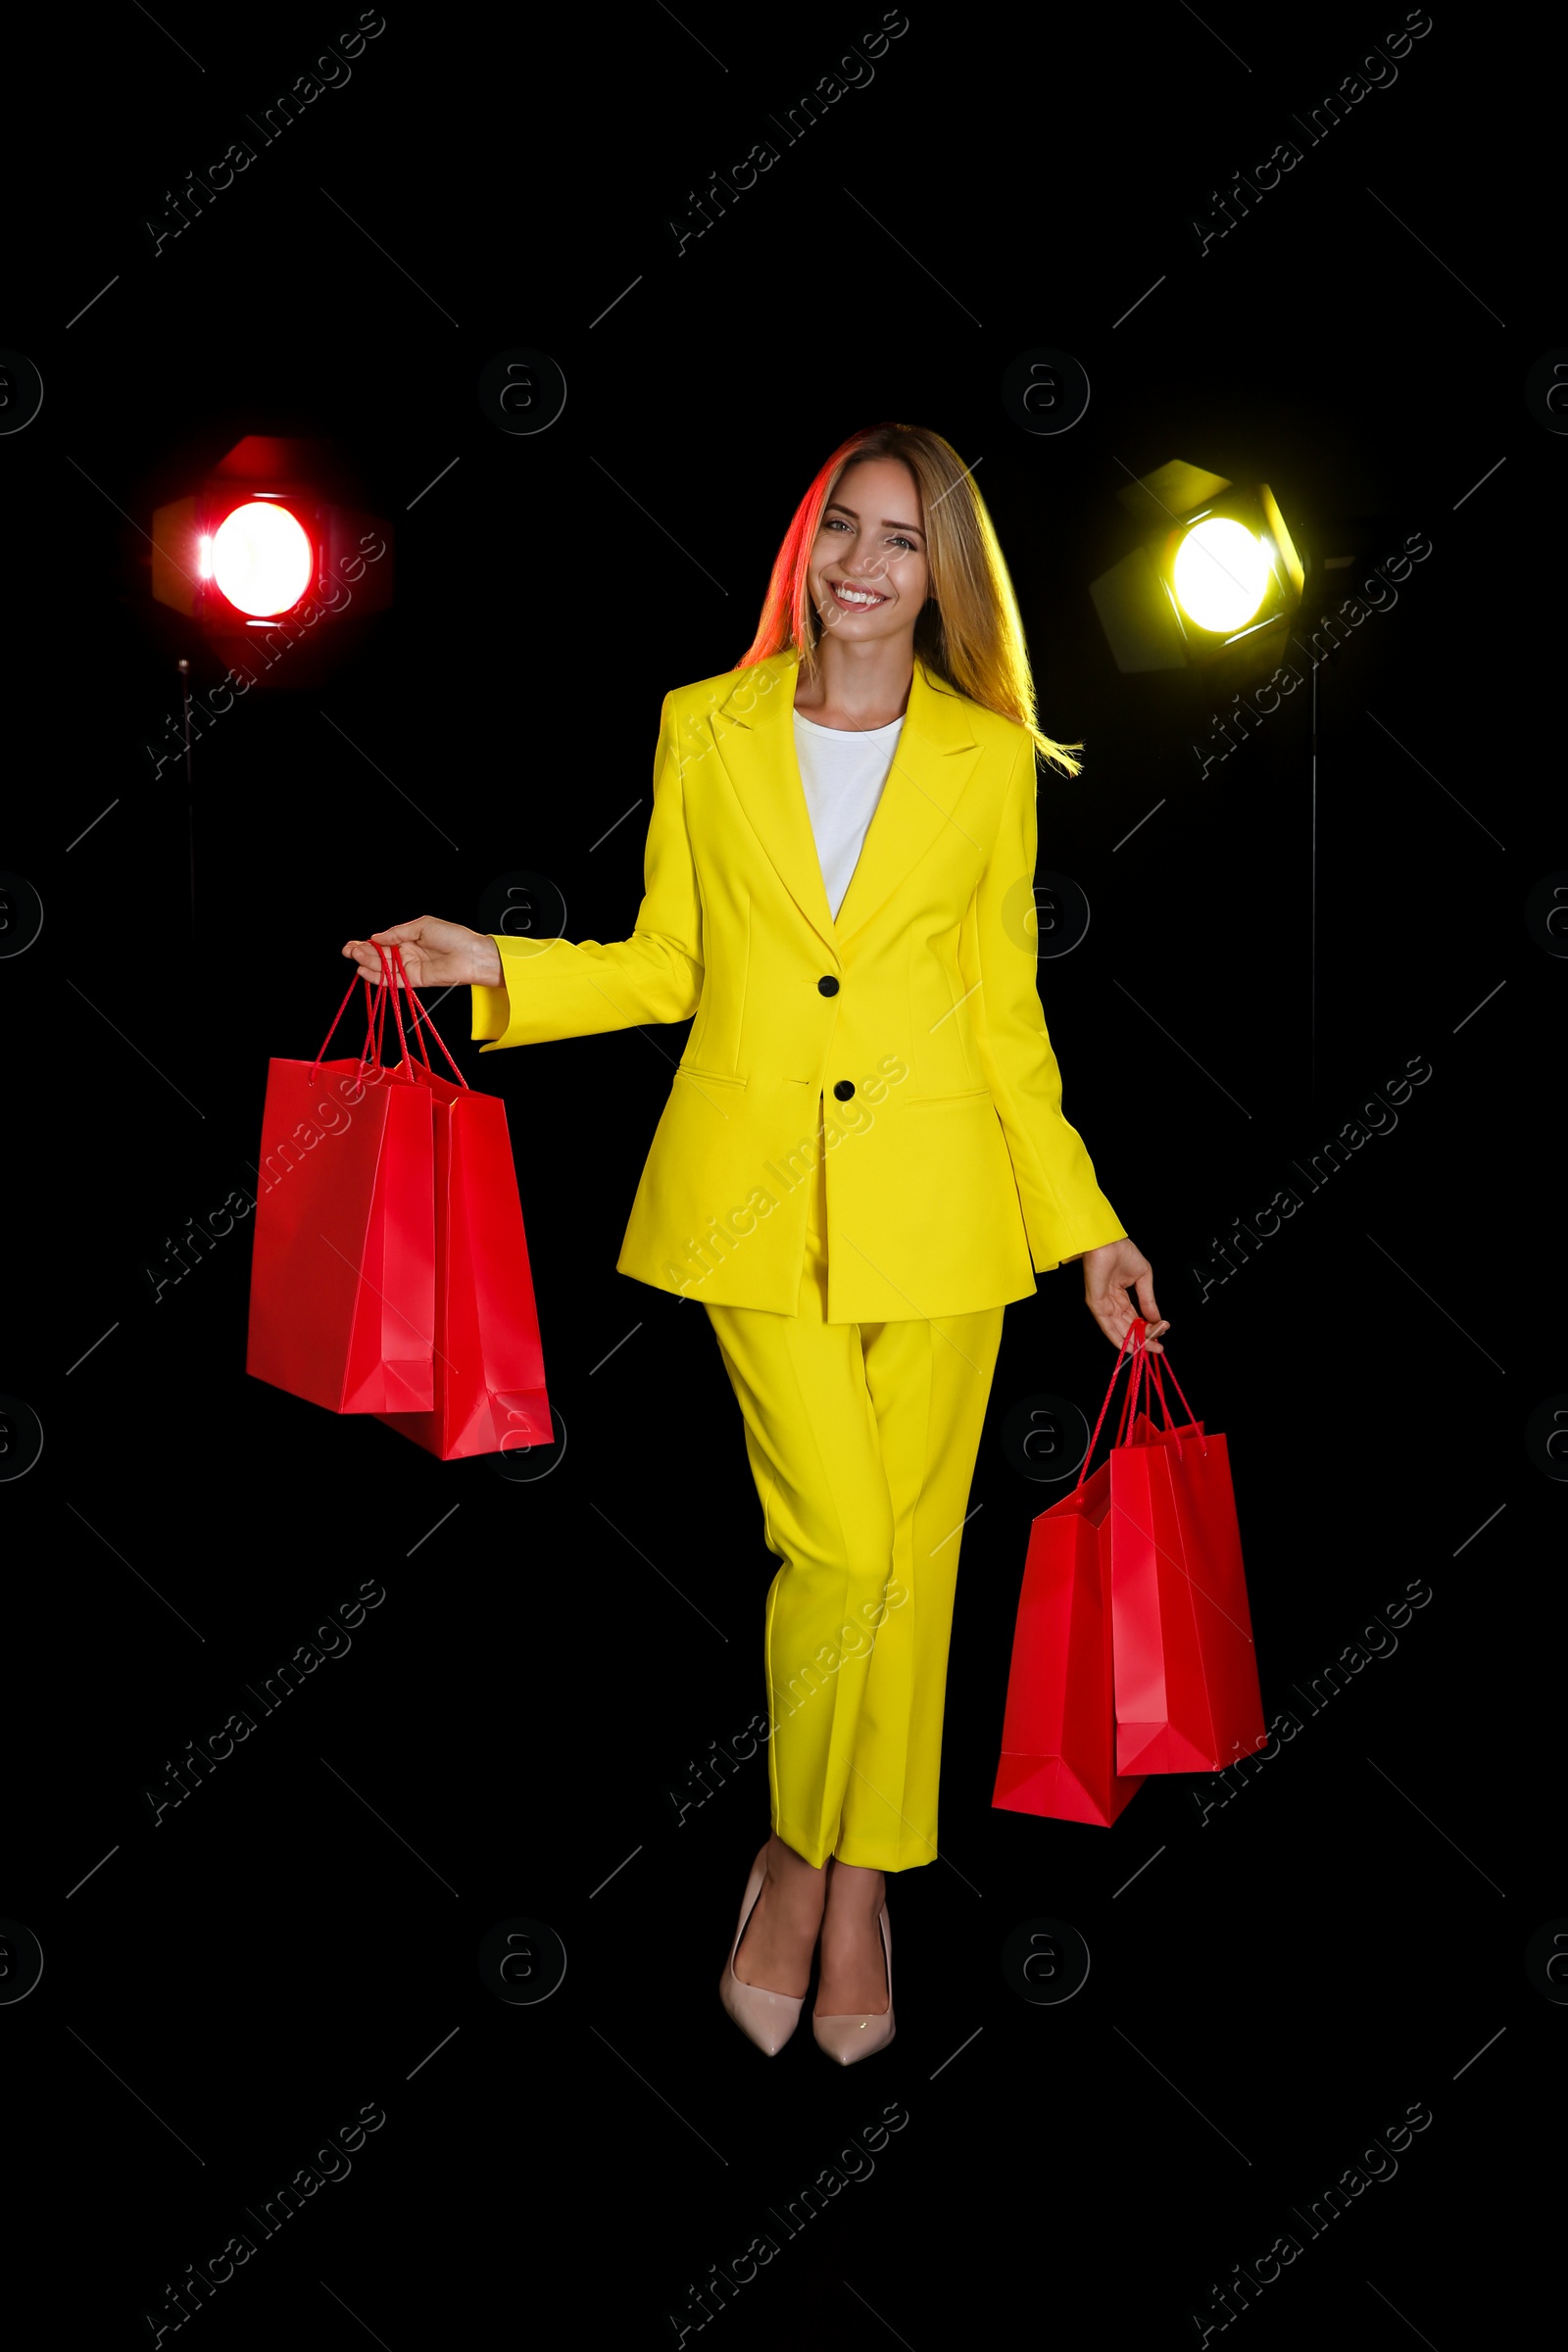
(907, 544)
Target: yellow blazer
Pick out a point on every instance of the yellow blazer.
(951, 1176)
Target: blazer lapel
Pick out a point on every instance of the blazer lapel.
(931, 768)
(755, 734)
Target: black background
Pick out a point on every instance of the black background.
(1292, 1968)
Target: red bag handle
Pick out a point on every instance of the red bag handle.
(393, 970)
(1146, 1374)
(421, 1016)
(370, 1018)
(1137, 1388)
(396, 954)
(1171, 1418)
(1083, 1471)
(376, 1021)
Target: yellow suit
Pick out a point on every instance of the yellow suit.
(952, 1177)
(862, 1160)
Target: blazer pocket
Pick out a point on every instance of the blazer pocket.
(968, 1094)
(711, 1077)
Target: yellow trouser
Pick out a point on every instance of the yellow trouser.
(861, 1439)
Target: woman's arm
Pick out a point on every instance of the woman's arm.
(1065, 1213)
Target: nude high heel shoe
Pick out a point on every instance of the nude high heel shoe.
(767, 2018)
(845, 2039)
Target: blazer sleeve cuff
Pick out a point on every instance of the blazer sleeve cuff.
(492, 1007)
(1070, 1257)
(1064, 1248)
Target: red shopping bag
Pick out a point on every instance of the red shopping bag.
(342, 1304)
(1188, 1697)
(488, 1361)
(1058, 1737)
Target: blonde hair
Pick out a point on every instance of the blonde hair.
(969, 633)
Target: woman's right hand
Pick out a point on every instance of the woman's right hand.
(435, 955)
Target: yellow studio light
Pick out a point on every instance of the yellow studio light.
(1221, 574)
(1214, 576)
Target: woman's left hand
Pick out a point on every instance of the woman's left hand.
(1109, 1273)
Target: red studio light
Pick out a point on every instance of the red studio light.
(264, 561)
(261, 558)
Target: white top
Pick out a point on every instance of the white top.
(843, 773)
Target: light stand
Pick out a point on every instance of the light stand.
(184, 667)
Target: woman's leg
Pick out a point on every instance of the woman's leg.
(928, 1383)
(827, 1517)
(812, 1441)
(863, 1446)
(811, 1438)
(775, 1952)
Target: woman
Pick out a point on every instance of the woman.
(863, 1157)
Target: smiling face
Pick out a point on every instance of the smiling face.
(868, 571)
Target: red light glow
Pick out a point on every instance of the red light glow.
(262, 559)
